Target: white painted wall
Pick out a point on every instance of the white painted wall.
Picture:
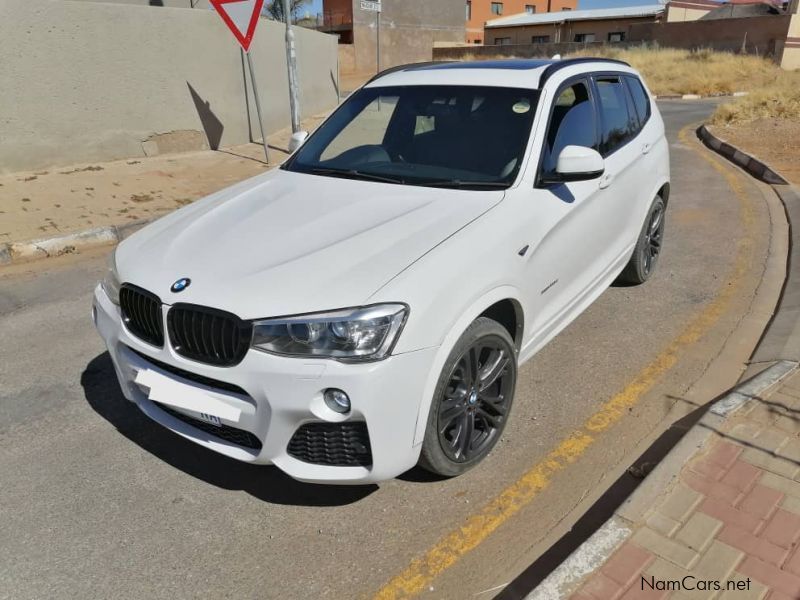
(84, 81)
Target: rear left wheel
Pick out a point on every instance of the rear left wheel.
(472, 400)
(648, 246)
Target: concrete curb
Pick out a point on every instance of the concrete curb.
(615, 531)
(698, 96)
(17, 252)
(752, 165)
(782, 337)
(587, 558)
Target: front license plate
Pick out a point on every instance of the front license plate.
(211, 419)
(200, 403)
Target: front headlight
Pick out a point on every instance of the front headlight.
(111, 282)
(366, 333)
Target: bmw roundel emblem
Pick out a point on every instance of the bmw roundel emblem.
(181, 284)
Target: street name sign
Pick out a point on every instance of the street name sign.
(371, 6)
(241, 17)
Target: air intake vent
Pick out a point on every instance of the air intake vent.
(332, 444)
(240, 437)
(141, 312)
(208, 335)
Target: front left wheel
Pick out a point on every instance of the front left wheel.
(472, 400)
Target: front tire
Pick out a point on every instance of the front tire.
(472, 400)
(648, 246)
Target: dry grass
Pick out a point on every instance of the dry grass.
(703, 72)
(772, 92)
(777, 100)
(673, 71)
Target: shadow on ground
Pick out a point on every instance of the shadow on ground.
(266, 483)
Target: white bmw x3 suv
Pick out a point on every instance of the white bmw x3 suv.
(365, 307)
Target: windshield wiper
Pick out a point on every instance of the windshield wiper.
(464, 183)
(355, 174)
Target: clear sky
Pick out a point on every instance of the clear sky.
(316, 5)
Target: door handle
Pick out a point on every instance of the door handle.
(605, 181)
(646, 148)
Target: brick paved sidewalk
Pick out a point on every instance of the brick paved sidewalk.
(733, 515)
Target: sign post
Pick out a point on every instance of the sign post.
(291, 65)
(241, 17)
(372, 6)
(258, 105)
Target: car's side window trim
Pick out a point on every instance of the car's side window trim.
(599, 108)
(586, 80)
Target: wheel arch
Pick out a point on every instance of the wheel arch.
(663, 191)
(502, 301)
(508, 312)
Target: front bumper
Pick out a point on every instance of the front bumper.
(282, 395)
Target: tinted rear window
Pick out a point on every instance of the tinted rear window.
(640, 99)
(618, 126)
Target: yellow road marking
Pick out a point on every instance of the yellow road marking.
(418, 575)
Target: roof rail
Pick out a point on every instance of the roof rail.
(568, 62)
(408, 66)
(549, 71)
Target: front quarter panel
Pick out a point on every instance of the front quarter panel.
(452, 285)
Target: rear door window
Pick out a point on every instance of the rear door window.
(619, 120)
(640, 99)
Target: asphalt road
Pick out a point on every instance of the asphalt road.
(96, 501)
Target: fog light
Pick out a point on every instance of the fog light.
(336, 400)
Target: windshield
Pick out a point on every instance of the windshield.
(443, 136)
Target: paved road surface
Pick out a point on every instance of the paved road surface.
(98, 502)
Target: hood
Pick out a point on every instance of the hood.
(287, 243)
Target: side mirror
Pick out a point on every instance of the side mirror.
(578, 163)
(297, 140)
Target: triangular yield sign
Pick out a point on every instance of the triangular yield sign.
(241, 17)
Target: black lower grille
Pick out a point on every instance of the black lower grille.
(207, 381)
(208, 335)
(332, 444)
(141, 312)
(240, 437)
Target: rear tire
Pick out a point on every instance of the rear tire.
(648, 246)
(472, 400)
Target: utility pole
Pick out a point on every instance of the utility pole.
(291, 64)
(378, 40)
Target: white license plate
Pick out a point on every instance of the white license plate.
(211, 419)
(206, 405)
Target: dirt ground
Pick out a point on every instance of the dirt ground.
(47, 203)
(773, 141)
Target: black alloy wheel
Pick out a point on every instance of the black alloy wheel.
(476, 400)
(648, 246)
(472, 401)
(654, 235)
